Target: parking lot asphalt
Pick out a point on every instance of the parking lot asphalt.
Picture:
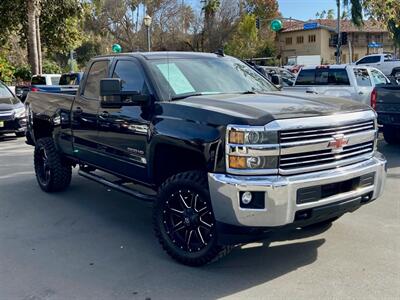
(92, 243)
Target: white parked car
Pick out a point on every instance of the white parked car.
(348, 81)
(383, 62)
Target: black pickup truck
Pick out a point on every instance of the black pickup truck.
(225, 156)
(387, 105)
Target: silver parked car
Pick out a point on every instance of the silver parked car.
(348, 81)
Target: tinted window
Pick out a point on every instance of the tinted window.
(323, 76)
(378, 77)
(69, 79)
(40, 80)
(369, 60)
(98, 71)
(131, 76)
(4, 92)
(362, 77)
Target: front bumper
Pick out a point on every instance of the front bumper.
(280, 194)
(12, 125)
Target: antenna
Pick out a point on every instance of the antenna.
(220, 52)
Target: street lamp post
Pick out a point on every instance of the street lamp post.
(147, 23)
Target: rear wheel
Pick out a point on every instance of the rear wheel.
(53, 172)
(391, 134)
(184, 222)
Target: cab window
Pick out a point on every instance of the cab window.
(378, 78)
(98, 71)
(131, 75)
(362, 77)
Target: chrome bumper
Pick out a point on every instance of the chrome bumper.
(281, 193)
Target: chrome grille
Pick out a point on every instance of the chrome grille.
(327, 132)
(307, 149)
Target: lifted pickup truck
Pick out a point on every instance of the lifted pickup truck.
(226, 157)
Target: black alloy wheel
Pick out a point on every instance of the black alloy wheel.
(53, 171)
(188, 220)
(184, 222)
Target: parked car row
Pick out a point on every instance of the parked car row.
(52, 83)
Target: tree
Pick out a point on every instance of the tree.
(330, 15)
(48, 24)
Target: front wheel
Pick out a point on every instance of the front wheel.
(184, 222)
(53, 173)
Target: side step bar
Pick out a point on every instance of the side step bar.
(117, 186)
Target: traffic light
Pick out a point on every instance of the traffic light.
(344, 38)
(258, 23)
(333, 40)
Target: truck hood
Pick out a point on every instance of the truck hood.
(274, 105)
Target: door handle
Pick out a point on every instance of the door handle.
(360, 93)
(104, 115)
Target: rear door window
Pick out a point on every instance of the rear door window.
(362, 77)
(69, 79)
(369, 60)
(98, 71)
(323, 76)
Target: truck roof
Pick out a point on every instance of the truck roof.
(163, 55)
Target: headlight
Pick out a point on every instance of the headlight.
(251, 150)
(20, 112)
(253, 137)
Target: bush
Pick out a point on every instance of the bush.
(51, 67)
(6, 70)
(23, 73)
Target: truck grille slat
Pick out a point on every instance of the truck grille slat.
(319, 133)
(358, 135)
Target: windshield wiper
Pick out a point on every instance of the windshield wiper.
(186, 96)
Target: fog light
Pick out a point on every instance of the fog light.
(247, 197)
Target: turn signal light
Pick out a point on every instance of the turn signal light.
(236, 137)
(237, 162)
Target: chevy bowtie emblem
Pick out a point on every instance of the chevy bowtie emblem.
(339, 141)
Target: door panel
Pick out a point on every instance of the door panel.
(84, 114)
(123, 131)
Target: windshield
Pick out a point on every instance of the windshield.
(182, 77)
(5, 93)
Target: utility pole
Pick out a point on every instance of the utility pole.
(339, 34)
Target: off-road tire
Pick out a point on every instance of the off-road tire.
(391, 134)
(196, 181)
(59, 171)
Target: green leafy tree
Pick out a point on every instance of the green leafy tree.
(244, 42)
(51, 67)
(6, 70)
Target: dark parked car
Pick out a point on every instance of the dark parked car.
(386, 102)
(12, 113)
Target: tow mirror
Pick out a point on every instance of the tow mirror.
(112, 95)
(277, 80)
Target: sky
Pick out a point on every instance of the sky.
(297, 9)
(304, 9)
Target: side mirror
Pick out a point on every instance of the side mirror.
(276, 79)
(112, 95)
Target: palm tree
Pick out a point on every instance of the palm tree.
(210, 7)
(33, 56)
(356, 10)
(330, 14)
